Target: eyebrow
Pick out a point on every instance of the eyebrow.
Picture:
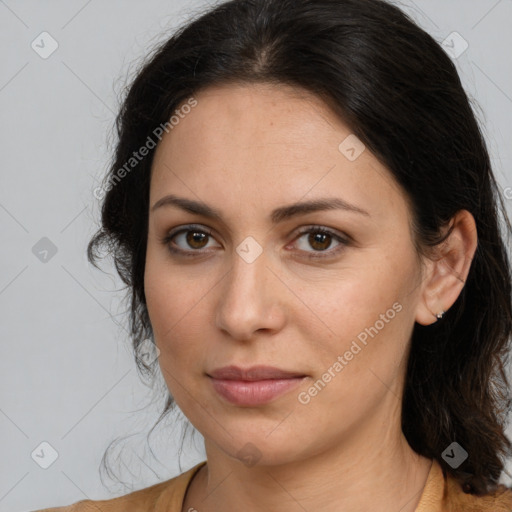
(277, 215)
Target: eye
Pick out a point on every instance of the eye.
(191, 237)
(321, 239)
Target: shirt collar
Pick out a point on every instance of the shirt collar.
(432, 495)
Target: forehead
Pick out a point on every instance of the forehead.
(268, 142)
(259, 113)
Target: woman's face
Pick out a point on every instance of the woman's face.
(260, 285)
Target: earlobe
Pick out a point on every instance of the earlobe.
(448, 273)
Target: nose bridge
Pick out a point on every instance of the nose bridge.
(245, 287)
(247, 297)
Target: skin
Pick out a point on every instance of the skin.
(246, 150)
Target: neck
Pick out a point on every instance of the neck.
(378, 472)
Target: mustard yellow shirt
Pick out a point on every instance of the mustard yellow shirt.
(441, 494)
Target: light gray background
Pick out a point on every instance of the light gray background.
(66, 369)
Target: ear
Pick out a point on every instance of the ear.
(447, 274)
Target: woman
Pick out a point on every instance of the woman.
(303, 207)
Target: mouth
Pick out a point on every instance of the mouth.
(253, 386)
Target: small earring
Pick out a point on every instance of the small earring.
(440, 315)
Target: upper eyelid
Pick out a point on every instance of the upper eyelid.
(188, 227)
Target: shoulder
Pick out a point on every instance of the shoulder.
(161, 497)
(456, 500)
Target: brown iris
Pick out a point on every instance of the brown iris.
(194, 237)
(316, 239)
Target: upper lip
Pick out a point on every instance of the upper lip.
(253, 373)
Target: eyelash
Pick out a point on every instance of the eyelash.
(309, 229)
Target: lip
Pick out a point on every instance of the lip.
(253, 373)
(253, 386)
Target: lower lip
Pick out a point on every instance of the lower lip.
(258, 392)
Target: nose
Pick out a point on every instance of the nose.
(250, 299)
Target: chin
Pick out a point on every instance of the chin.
(262, 450)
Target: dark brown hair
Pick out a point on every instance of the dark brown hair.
(401, 95)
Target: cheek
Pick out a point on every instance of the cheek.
(178, 359)
(167, 293)
(166, 303)
(368, 315)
